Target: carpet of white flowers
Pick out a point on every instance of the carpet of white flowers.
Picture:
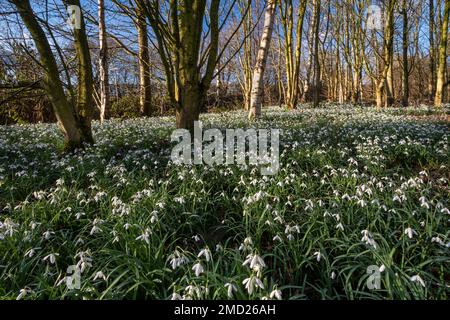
(357, 189)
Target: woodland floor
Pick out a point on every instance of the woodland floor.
(356, 188)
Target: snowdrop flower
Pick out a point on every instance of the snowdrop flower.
(154, 217)
(337, 217)
(252, 283)
(33, 225)
(198, 269)
(79, 215)
(340, 226)
(175, 296)
(85, 260)
(362, 203)
(145, 236)
(410, 232)
(126, 226)
(23, 293)
(179, 200)
(205, 252)
(418, 279)
(246, 245)
(95, 229)
(277, 238)
(177, 259)
(30, 253)
(346, 197)
(100, 275)
(318, 255)
(367, 238)
(196, 238)
(230, 289)
(254, 261)
(333, 275)
(47, 234)
(382, 268)
(275, 294)
(437, 240)
(51, 257)
(279, 219)
(191, 290)
(425, 205)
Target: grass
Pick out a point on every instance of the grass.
(357, 188)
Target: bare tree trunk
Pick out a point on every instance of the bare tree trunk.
(432, 79)
(292, 55)
(103, 63)
(258, 75)
(442, 57)
(246, 61)
(144, 64)
(379, 94)
(317, 89)
(390, 81)
(388, 48)
(405, 45)
(85, 105)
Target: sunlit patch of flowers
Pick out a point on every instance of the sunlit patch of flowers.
(357, 187)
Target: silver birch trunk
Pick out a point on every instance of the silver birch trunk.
(261, 60)
(103, 63)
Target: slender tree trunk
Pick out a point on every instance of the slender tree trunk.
(144, 64)
(317, 86)
(258, 75)
(247, 60)
(405, 45)
(292, 55)
(442, 57)
(432, 78)
(379, 94)
(388, 48)
(390, 81)
(103, 63)
(85, 105)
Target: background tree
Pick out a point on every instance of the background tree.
(442, 56)
(292, 40)
(261, 60)
(74, 119)
(144, 62)
(103, 63)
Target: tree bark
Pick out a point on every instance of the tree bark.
(405, 45)
(144, 64)
(432, 78)
(379, 94)
(261, 60)
(292, 55)
(103, 63)
(85, 103)
(390, 99)
(317, 86)
(442, 57)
